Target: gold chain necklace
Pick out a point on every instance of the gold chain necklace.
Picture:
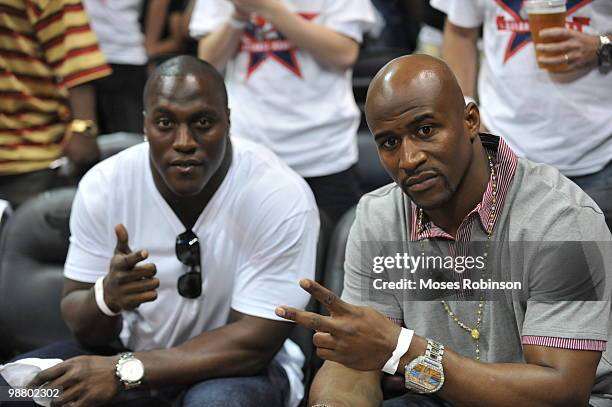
(474, 331)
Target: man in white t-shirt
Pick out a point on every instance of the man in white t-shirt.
(222, 231)
(560, 119)
(288, 68)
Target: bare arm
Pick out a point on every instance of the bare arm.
(460, 52)
(363, 339)
(340, 386)
(84, 318)
(157, 13)
(81, 149)
(245, 346)
(551, 377)
(219, 46)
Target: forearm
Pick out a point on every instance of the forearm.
(459, 50)
(156, 16)
(232, 350)
(469, 383)
(82, 100)
(220, 46)
(328, 47)
(340, 386)
(87, 323)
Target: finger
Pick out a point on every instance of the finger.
(48, 375)
(139, 272)
(324, 340)
(127, 262)
(122, 239)
(134, 300)
(68, 395)
(140, 286)
(307, 319)
(328, 354)
(560, 47)
(330, 300)
(555, 32)
(556, 60)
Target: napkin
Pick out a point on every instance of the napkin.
(21, 372)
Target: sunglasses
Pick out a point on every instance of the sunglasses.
(188, 252)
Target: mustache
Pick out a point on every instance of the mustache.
(419, 176)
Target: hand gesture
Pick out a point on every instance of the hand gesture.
(357, 337)
(85, 380)
(574, 48)
(129, 284)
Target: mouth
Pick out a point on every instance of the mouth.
(421, 182)
(185, 166)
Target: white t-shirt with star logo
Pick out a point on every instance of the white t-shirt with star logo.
(281, 96)
(567, 124)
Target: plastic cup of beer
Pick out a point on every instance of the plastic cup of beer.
(546, 14)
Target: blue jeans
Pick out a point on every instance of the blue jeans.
(270, 388)
(415, 400)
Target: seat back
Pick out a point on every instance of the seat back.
(33, 245)
(334, 267)
(370, 172)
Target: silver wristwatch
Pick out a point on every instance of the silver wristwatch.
(425, 374)
(129, 370)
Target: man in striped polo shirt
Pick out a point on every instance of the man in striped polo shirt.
(458, 193)
(48, 57)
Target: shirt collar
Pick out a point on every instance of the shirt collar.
(505, 162)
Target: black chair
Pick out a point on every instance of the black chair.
(334, 266)
(34, 244)
(603, 198)
(111, 144)
(370, 171)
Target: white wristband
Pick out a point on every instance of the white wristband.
(99, 294)
(237, 24)
(469, 99)
(403, 343)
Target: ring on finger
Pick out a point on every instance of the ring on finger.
(566, 58)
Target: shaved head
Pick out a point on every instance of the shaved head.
(183, 66)
(412, 79)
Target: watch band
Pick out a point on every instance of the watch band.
(99, 296)
(604, 52)
(435, 350)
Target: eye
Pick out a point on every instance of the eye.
(425, 131)
(203, 123)
(389, 143)
(163, 123)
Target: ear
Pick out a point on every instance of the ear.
(471, 120)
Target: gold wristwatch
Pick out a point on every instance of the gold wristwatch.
(85, 127)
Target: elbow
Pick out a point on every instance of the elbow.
(346, 59)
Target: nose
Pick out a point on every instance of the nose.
(410, 155)
(184, 141)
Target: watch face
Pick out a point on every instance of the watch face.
(424, 376)
(131, 370)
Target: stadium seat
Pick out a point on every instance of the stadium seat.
(34, 244)
(113, 143)
(370, 171)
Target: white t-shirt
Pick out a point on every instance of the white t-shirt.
(281, 96)
(568, 125)
(258, 237)
(116, 25)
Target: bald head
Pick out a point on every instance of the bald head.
(183, 66)
(413, 80)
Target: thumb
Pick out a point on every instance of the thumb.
(122, 240)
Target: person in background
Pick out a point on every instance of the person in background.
(563, 119)
(119, 95)
(49, 60)
(288, 72)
